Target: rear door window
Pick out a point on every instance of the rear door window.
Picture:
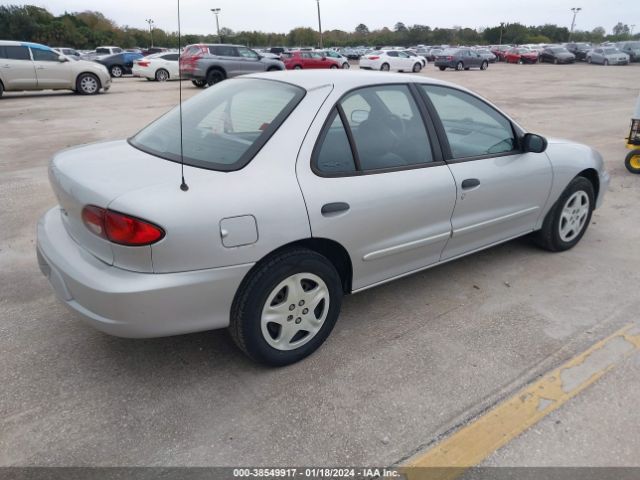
(16, 52)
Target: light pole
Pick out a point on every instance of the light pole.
(501, 27)
(216, 11)
(150, 22)
(575, 11)
(319, 23)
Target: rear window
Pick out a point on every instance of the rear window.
(103, 51)
(15, 52)
(224, 127)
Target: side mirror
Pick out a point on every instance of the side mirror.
(359, 116)
(534, 143)
(62, 58)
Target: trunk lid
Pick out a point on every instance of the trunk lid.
(97, 174)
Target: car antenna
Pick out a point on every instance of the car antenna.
(183, 186)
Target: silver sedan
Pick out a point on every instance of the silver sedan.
(299, 188)
(607, 56)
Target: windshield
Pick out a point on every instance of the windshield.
(559, 50)
(224, 127)
(611, 50)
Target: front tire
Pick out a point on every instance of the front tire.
(286, 307)
(460, 66)
(1, 89)
(569, 218)
(162, 75)
(87, 84)
(116, 71)
(199, 83)
(484, 65)
(417, 67)
(346, 66)
(632, 161)
(333, 67)
(442, 69)
(385, 67)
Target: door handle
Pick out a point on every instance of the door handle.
(330, 209)
(470, 183)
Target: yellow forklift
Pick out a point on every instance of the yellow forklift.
(632, 162)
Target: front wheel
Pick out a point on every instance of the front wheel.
(484, 65)
(460, 66)
(442, 69)
(333, 67)
(417, 67)
(199, 83)
(385, 67)
(162, 75)
(568, 219)
(632, 162)
(286, 307)
(87, 84)
(116, 71)
(298, 67)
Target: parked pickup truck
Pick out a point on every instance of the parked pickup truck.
(207, 64)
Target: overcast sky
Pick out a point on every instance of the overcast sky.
(283, 15)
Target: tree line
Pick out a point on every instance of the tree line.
(86, 30)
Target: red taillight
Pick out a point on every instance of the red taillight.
(449, 58)
(143, 63)
(120, 228)
(373, 57)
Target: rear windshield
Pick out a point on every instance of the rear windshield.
(223, 127)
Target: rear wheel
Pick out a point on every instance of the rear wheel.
(346, 65)
(199, 83)
(632, 162)
(442, 69)
(286, 307)
(162, 75)
(214, 76)
(333, 67)
(1, 89)
(87, 84)
(385, 67)
(484, 65)
(417, 67)
(298, 67)
(569, 217)
(460, 66)
(605, 62)
(116, 71)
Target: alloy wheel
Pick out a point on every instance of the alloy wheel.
(574, 216)
(295, 311)
(162, 75)
(116, 71)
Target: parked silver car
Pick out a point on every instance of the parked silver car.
(607, 56)
(299, 188)
(31, 66)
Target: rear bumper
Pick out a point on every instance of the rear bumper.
(132, 304)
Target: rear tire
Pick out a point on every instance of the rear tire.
(605, 62)
(460, 66)
(484, 65)
(162, 75)
(442, 69)
(278, 284)
(214, 76)
(1, 89)
(417, 67)
(199, 83)
(87, 84)
(385, 67)
(298, 67)
(333, 67)
(566, 223)
(632, 161)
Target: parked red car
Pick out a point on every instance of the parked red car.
(298, 60)
(521, 55)
(500, 51)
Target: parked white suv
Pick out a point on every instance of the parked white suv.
(31, 66)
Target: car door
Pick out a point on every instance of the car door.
(406, 61)
(249, 60)
(230, 59)
(373, 180)
(501, 190)
(16, 68)
(50, 71)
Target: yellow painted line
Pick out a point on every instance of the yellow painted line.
(476, 441)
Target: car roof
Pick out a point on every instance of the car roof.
(348, 79)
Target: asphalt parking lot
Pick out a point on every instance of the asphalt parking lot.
(407, 363)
